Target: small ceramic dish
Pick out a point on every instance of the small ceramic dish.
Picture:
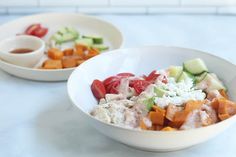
(22, 42)
(140, 61)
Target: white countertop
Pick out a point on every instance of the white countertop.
(38, 120)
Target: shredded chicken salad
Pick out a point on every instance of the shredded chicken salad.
(176, 98)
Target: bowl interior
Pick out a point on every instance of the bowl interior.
(140, 61)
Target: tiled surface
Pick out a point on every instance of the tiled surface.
(73, 2)
(119, 6)
(143, 2)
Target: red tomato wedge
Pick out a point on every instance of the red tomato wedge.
(140, 85)
(32, 28)
(98, 89)
(110, 80)
(152, 77)
(41, 32)
(125, 74)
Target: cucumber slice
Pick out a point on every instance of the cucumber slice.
(96, 39)
(58, 38)
(211, 82)
(100, 47)
(201, 77)
(84, 41)
(73, 31)
(195, 66)
(159, 92)
(185, 75)
(62, 30)
(175, 71)
(68, 37)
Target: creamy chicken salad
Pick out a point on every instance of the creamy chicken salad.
(176, 98)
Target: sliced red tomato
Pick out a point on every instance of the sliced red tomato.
(125, 74)
(113, 87)
(110, 80)
(152, 76)
(140, 85)
(31, 29)
(40, 32)
(98, 89)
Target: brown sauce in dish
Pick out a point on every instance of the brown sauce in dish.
(21, 51)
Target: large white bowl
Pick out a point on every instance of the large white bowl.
(141, 61)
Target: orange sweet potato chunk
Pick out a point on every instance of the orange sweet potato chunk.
(52, 64)
(193, 105)
(69, 63)
(224, 94)
(55, 53)
(168, 129)
(226, 108)
(157, 117)
(92, 52)
(81, 47)
(68, 52)
(142, 125)
(179, 118)
(171, 110)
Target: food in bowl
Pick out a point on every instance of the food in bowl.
(67, 48)
(176, 98)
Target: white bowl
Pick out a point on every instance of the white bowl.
(84, 24)
(141, 61)
(22, 41)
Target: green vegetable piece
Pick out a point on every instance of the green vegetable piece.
(149, 103)
(175, 71)
(96, 39)
(84, 41)
(73, 31)
(100, 47)
(186, 75)
(195, 66)
(159, 92)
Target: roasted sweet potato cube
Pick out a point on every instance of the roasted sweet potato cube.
(142, 125)
(226, 108)
(179, 118)
(193, 105)
(91, 53)
(80, 52)
(171, 110)
(223, 93)
(168, 128)
(157, 117)
(68, 52)
(81, 47)
(52, 64)
(55, 53)
(69, 63)
(80, 62)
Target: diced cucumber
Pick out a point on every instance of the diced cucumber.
(73, 31)
(96, 39)
(175, 71)
(84, 41)
(100, 47)
(58, 38)
(62, 30)
(159, 92)
(199, 78)
(195, 66)
(68, 37)
(185, 75)
(211, 82)
(149, 103)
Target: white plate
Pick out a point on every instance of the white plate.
(141, 61)
(83, 23)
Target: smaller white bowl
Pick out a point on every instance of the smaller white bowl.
(18, 42)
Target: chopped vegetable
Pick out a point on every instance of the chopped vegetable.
(98, 89)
